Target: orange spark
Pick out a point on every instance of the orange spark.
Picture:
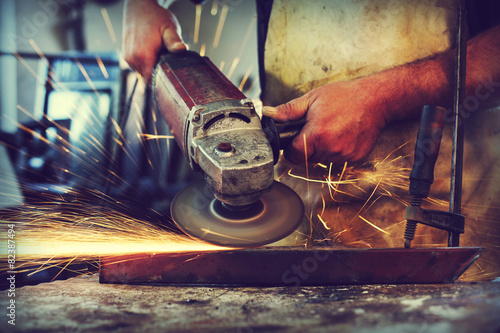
(323, 222)
(373, 225)
(233, 67)
(215, 6)
(87, 77)
(102, 67)
(109, 25)
(245, 78)
(199, 8)
(220, 25)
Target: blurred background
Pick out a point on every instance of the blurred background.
(75, 119)
(77, 129)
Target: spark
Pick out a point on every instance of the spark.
(44, 232)
(139, 115)
(307, 171)
(203, 49)
(35, 134)
(87, 77)
(153, 114)
(245, 78)
(327, 181)
(215, 7)
(221, 66)
(323, 222)
(122, 141)
(249, 31)
(30, 69)
(153, 136)
(220, 25)
(373, 225)
(199, 8)
(109, 25)
(102, 67)
(242, 47)
(233, 67)
(335, 188)
(38, 51)
(323, 207)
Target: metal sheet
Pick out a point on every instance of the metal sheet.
(291, 266)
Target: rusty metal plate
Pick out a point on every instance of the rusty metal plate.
(291, 266)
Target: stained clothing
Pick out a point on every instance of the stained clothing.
(482, 15)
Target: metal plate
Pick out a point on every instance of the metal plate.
(193, 211)
(291, 266)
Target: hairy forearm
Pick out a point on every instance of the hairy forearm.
(405, 89)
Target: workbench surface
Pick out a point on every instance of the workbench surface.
(83, 305)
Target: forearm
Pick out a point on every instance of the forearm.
(345, 118)
(405, 89)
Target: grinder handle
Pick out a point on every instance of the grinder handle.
(280, 135)
(426, 150)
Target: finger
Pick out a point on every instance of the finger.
(171, 37)
(301, 148)
(144, 63)
(293, 110)
(172, 41)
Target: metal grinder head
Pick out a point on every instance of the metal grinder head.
(221, 135)
(274, 216)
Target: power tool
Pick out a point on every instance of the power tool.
(221, 135)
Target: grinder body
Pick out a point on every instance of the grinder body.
(216, 127)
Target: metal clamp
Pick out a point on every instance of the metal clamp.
(450, 222)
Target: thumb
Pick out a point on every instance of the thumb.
(172, 39)
(293, 110)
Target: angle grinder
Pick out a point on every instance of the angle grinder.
(221, 135)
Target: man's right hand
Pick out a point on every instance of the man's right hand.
(147, 28)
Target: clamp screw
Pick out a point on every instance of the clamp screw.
(411, 226)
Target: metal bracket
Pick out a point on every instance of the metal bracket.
(436, 218)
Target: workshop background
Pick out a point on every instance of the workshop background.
(93, 157)
(96, 27)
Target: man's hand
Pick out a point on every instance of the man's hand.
(147, 29)
(344, 120)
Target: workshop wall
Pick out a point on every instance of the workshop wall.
(48, 24)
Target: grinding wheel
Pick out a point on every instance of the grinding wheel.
(274, 216)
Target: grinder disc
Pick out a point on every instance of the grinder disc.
(198, 213)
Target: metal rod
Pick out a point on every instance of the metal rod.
(458, 125)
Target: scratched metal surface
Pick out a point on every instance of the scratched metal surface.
(291, 266)
(84, 305)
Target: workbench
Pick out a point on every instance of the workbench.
(81, 304)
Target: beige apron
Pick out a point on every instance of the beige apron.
(312, 43)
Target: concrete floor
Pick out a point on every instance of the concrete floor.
(83, 305)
